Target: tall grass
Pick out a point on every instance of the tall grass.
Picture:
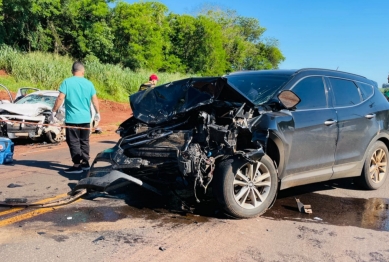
(47, 71)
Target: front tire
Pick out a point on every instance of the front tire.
(375, 169)
(244, 189)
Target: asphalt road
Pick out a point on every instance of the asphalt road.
(131, 224)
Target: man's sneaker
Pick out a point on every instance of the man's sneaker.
(85, 166)
(74, 169)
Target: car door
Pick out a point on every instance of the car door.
(357, 124)
(312, 150)
(23, 91)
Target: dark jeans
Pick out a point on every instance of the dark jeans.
(78, 142)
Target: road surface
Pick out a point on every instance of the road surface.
(131, 224)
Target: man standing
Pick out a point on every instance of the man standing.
(153, 79)
(77, 93)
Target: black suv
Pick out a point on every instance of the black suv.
(250, 133)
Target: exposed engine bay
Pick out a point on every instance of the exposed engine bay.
(179, 144)
(186, 135)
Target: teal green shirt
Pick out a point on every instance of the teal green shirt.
(78, 93)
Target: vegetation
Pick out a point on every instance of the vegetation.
(123, 43)
(47, 71)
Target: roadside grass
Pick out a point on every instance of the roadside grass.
(12, 84)
(47, 71)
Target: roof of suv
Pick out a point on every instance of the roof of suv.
(293, 71)
(304, 71)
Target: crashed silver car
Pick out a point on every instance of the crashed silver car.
(26, 116)
(249, 134)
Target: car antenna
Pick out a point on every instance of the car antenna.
(337, 68)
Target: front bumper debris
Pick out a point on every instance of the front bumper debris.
(102, 183)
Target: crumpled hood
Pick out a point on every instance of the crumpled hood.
(162, 103)
(25, 109)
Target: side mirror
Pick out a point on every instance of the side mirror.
(288, 99)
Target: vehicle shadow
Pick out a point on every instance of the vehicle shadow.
(108, 142)
(50, 165)
(344, 183)
(180, 205)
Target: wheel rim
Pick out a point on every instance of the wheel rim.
(252, 185)
(378, 165)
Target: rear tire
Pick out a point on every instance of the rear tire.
(375, 169)
(243, 189)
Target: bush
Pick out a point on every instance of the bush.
(47, 71)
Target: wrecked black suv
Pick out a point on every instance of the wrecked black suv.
(249, 134)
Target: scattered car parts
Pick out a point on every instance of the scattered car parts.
(303, 208)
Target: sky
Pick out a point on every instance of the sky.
(344, 35)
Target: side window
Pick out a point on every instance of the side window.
(345, 92)
(311, 92)
(366, 90)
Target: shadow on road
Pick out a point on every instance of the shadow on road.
(344, 183)
(108, 142)
(51, 165)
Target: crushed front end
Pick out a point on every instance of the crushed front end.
(179, 140)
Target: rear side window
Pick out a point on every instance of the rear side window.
(366, 90)
(346, 92)
(311, 92)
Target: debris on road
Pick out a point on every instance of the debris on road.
(303, 208)
(12, 185)
(72, 196)
(98, 130)
(162, 248)
(98, 239)
(15, 200)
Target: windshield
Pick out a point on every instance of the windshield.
(33, 99)
(258, 88)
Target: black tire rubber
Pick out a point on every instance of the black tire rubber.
(366, 180)
(50, 137)
(224, 189)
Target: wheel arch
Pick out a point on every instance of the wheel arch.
(274, 150)
(383, 137)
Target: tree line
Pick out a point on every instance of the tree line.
(139, 35)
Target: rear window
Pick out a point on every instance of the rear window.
(345, 91)
(258, 88)
(366, 90)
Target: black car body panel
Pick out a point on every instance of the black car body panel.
(183, 132)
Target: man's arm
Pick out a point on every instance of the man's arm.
(58, 102)
(95, 103)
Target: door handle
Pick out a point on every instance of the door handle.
(329, 122)
(370, 116)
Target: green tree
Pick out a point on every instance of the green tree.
(197, 43)
(83, 29)
(242, 41)
(2, 31)
(139, 30)
(25, 23)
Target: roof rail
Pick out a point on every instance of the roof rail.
(330, 70)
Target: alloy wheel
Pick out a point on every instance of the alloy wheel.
(378, 165)
(252, 185)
